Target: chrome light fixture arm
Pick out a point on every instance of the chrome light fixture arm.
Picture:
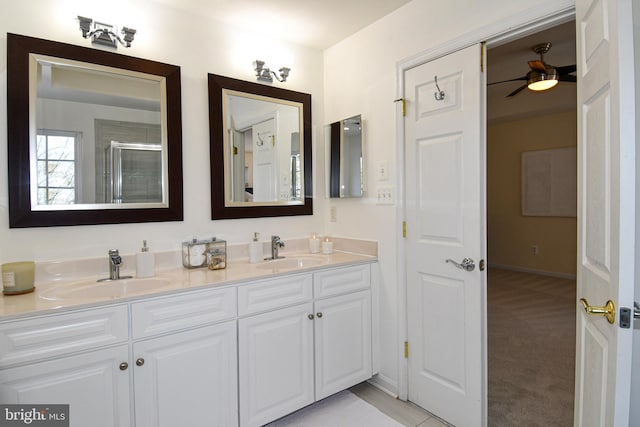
(264, 74)
(105, 34)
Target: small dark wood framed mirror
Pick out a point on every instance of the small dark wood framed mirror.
(260, 142)
(94, 137)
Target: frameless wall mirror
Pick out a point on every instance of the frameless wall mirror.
(260, 150)
(94, 137)
(343, 140)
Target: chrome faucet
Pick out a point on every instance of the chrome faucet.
(114, 266)
(276, 244)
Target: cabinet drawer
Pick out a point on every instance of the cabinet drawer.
(173, 313)
(48, 336)
(274, 293)
(341, 280)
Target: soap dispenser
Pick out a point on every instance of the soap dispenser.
(255, 249)
(145, 262)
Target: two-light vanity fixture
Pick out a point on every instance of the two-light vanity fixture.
(264, 73)
(105, 34)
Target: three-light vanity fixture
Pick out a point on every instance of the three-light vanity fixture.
(105, 34)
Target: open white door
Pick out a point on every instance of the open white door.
(606, 209)
(444, 173)
(265, 170)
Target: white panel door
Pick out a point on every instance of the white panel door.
(606, 208)
(265, 162)
(343, 342)
(275, 364)
(187, 378)
(92, 384)
(444, 173)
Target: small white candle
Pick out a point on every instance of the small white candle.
(327, 246)
(314, 244)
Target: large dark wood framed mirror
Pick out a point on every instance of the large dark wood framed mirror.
(260, 142)
(94, 137)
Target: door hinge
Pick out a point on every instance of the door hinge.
(626, 317)
(483, 48)
(404, 229)
(406, 349)
(482, 265)
(404, 105)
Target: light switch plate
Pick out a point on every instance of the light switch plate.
(385, 196)
(383, 171)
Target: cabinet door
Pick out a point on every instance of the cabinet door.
(276, 364)
(343, 342)
(187, 378)
(93, 385)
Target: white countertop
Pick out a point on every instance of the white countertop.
(181, 279)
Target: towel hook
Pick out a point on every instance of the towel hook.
(439, 95)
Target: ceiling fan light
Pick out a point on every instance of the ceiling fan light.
(542, 80)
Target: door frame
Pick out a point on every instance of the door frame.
(511, 28)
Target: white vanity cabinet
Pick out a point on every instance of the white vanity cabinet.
(342, 342)
(180, 361)
(92, 383)
(187, 375)
(63, 359)
(311, 338)
(244, 353)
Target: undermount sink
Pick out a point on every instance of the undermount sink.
(109, 289)
(290, 263)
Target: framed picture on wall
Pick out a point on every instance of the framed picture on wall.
(549, 182)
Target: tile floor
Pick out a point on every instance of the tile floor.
(405, 413)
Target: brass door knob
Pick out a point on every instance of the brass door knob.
(608, 311)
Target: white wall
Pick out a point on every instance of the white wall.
(360, 78)
(199, 46)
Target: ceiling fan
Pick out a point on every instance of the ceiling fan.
(541, 75)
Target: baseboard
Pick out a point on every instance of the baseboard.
(385, 384)
(534, 271)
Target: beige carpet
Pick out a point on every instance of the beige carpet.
(531, 331)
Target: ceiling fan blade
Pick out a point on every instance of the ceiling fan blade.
(537, 65)
(510, 80)
(567, 78)
(566, 69)
(515, 92)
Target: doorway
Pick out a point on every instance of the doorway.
(531, 232)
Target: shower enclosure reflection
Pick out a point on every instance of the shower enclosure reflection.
(135, 173)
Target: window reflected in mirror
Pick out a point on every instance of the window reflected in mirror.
(109, 116)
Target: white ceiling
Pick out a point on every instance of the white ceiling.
(509, 61)
(314, 23)
(322, 23)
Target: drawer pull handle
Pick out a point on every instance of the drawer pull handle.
(140, 361)
(319, 315)
(124, 366)
(310, 316)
